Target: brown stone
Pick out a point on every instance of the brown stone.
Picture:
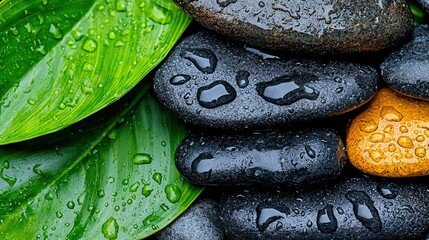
(391, 137)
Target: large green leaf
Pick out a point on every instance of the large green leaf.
(116, 180)
(62, 60)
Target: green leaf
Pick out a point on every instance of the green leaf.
(63, 60)
(419, 15)
(112, 175)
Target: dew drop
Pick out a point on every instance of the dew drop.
(216, 94)
(268, 213)
(364, 210)
(100, 193)
(37, 170)
(339, 80)
(55, 32)
(387, 190)
(112, 35)
(160, 15)
(146, 190)
(339, 89)
(150, 220)
(242, 78)
(59, 214)
(142, 158)
(70, 204)
(405, 142)
(180, 79)
(157, 177)
(203, 164)
(173, 193)
(326, 221)
(120, 6)
(285, 91)
(420, 152)
(90, 45)
(203, 59)
(134, 187)
(10, 180)
(110, 228)
(112, 134)
(225, 3)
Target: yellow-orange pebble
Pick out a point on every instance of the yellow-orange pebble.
(391, 137)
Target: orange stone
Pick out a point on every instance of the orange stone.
(390, 138)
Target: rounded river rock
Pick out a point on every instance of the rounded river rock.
(357, 208)
(199, 221)
(315, 27)
(391, 137)
(295, 158)
(407, 70)
(212, 82)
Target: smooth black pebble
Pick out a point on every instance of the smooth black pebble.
(407, 70)
(314, 27)
(199, 221)
(350, 209)
(295, 158)
(212, 82)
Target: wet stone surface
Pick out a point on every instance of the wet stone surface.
(352, 209)
(407, 70)
(212, 82)
(200, 221)
(424, 4)
(298, 158)
(390, 137)
(316, 27)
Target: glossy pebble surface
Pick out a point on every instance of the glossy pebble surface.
(424, 4)
(407, 70)
(199, 221)
(391, 137)
(315, 27)
(356, 208)
(298, 158)
(212, 82)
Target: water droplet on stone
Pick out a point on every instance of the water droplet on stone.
(377, 137)
(339, 80)
(90, 45)
(364, 210)
(326, 221)
(260, 53)
(420, 138)
(285, 91)
(377, 155)
(387, 190)
(339, 89)
(242, 78)
(340, 210)
(173, 193)
(405, 142)
(110, 228)
(180, 79)
(203, 164)
(203, 59)
(216, 94)
(420, 152)
(391, 114)
(368, 126)
(268, 213)
(225, 3)
(55, 32)
(142, 158)
(310, 152)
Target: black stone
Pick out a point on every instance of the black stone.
(313, 27)
(199, 221)
(350, 209)
(407, 70)
(424, 4)
(246, 88)
(295, 158)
